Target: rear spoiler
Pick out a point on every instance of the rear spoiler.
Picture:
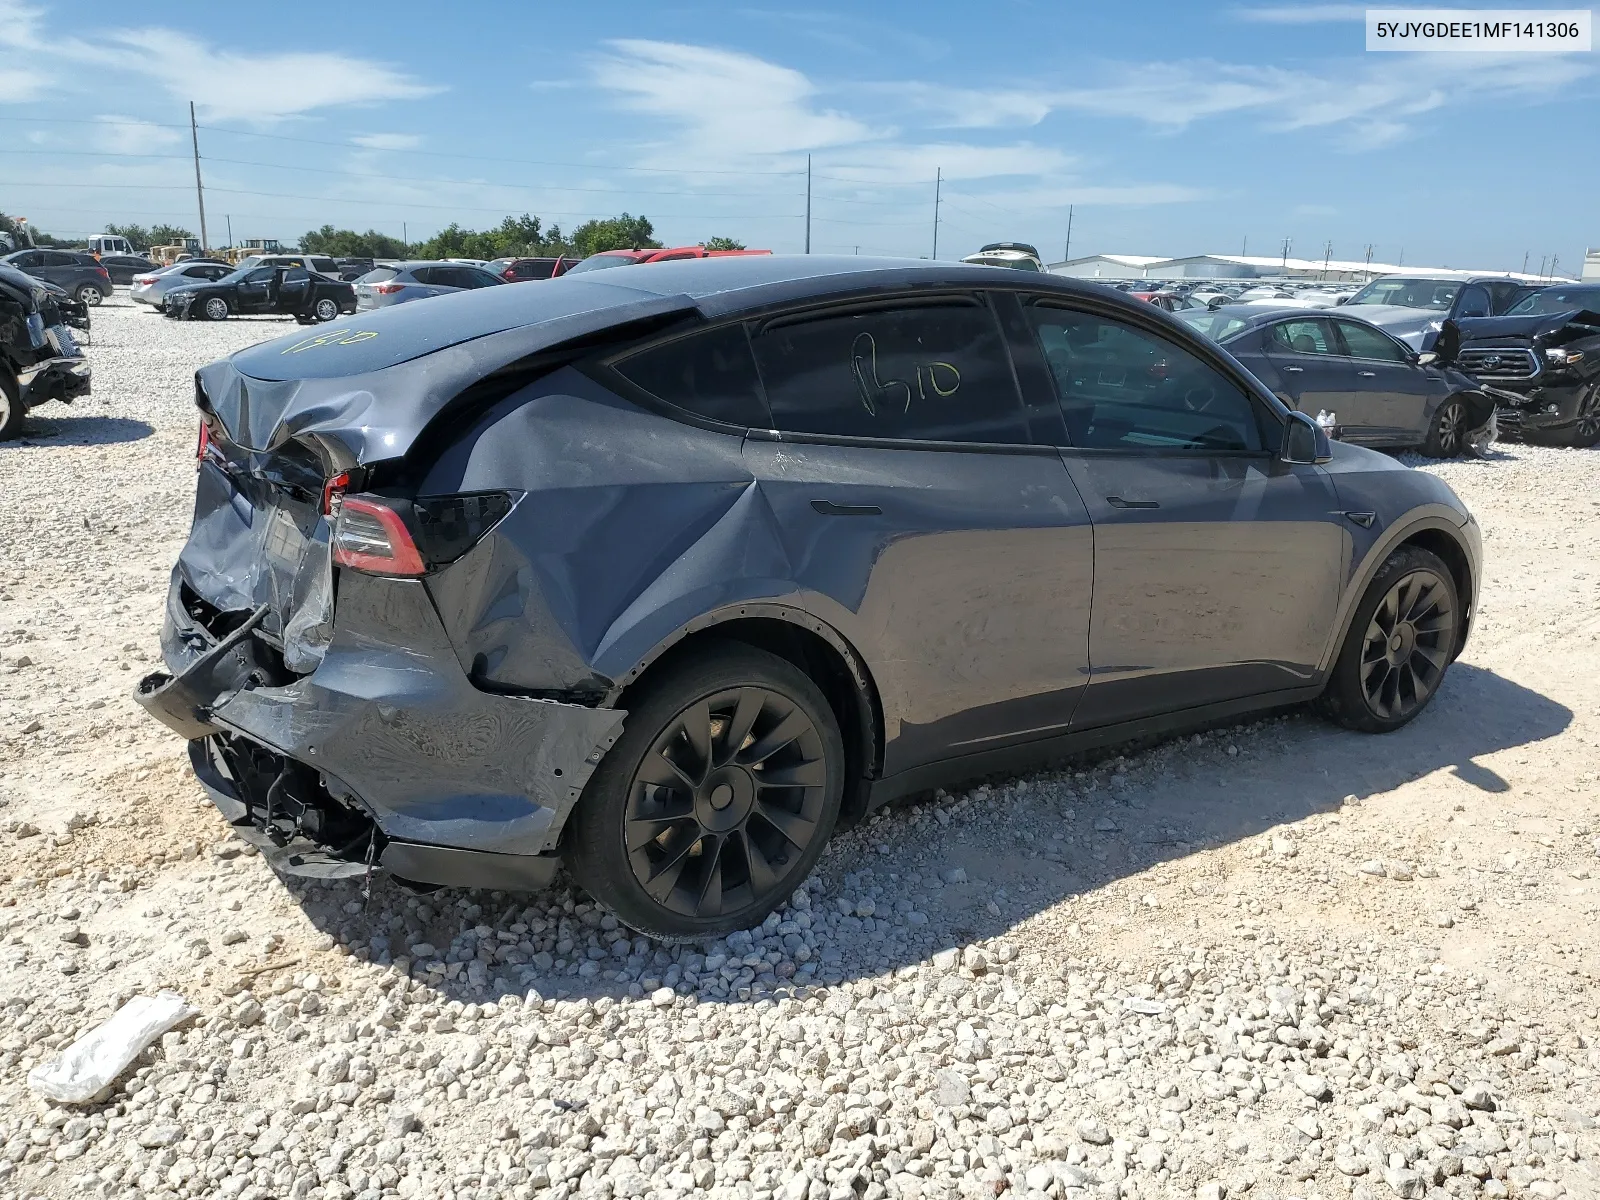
(364, 418)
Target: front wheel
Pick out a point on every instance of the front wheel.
(215, 309)
(1401, 639)
(90, 295)
(1447, 432)
(1585, 431)
(12, 409)
(326, 310)
(717, 800)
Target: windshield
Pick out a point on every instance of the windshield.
(1219, 327)
(1556, 300)
(1409, 293)
(599, 262)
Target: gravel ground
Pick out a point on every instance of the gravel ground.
(1272, 960)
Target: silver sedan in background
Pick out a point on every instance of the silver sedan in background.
(384, 287)
(151, 287)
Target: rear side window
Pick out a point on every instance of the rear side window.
(709, 374)
(538, 268)
(923, 372)
(1474, 302)
(1363, 342)
(1306, 336)
(1124, 388)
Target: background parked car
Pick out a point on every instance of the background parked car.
(1415, 307)
(1380, 391)
(352, 269)
(383, 287)
(39, 358)
(152, 287)
(1541, 361)
(517, 270)
(84, 278)
(295, 291)
(320, 263)
(626, 258)
(123, 267)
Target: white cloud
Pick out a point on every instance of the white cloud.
(1302, 14)
(726, 105)
(387, 141)
(131, 135)
(258, 86)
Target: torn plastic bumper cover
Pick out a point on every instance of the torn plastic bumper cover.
(386, 756)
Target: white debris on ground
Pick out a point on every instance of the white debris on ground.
(1273, 960)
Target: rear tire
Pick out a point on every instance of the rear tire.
(326, 310)
(89, 294)
(717, 800)
(1401, 640)
(12, 410)
(1447, 432)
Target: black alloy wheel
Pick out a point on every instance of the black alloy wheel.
(1447, 433)
(717, 800)
(1585, 432)
(1407, 644)
(1402, 638)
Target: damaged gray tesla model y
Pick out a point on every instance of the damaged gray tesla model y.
(662, 577)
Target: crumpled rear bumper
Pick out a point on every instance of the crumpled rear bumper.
(388, 727)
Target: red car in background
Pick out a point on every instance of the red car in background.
(517, 270)
(626, 258)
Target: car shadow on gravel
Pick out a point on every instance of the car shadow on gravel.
(943, 870)
(79, 431)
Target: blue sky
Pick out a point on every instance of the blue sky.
(1173, 128)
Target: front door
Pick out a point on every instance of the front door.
(1312, 376)
(1217, 567)
(1392, 396)
(915, 510)
(254, 292)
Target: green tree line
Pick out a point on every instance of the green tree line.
(515, 237)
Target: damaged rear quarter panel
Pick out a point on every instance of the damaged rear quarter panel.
(633, 525)
(390, 715)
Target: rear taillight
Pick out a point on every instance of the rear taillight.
(202, 445)
(144, 278)
(370, 536)
(332, 490)
(101, 271)
(509, 274)
(387, 289)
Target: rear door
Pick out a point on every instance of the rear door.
(1393, 394)
(1217, 567)
(294, 291)
(912, 501)
(1314, 376)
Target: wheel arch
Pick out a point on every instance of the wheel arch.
(1435, 529)
(808, 643)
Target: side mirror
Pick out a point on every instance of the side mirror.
(1342, 300)
(1305, 443)
(1427, 359)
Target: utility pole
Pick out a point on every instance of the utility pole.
(1067, 255)
(1402, 261)
(1287, 242)
(938, 181)
(230, 231)
(1368, 271)
(1244, 250)
(1327, 255)
(1554, 259)
(405, 238)
(1542, 257)
(199, 191)
(808, 204)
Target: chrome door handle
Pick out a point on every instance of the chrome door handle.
(1367, 374)
(1295, 370)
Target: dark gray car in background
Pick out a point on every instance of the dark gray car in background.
(384, 287)
(79, 274)
(1380, 391)
(661, 574)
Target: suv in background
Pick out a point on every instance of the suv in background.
(384, 287)
(123, 267)
(322, 264)
(1019, 256)
(78, 273)
(518, 270)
